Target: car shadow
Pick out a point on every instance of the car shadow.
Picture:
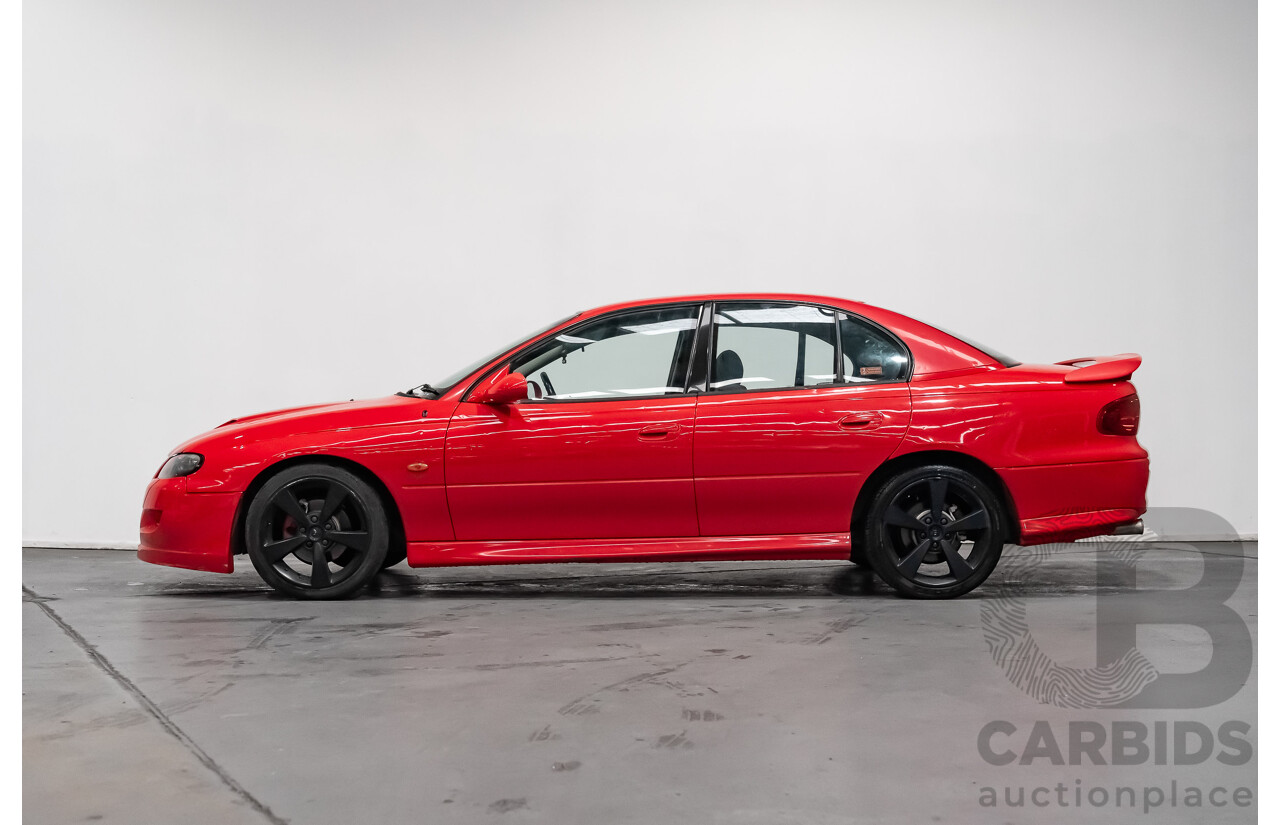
(783, 581)
(1066, 577)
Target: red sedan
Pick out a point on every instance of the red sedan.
(713, 427)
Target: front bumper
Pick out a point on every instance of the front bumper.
(183, 529)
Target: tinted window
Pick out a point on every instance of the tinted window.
(870, 355)
(638, 353)
(1004, 360)
(770, 346)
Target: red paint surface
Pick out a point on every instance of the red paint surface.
(182, 529)
(762, 474)
(572, 470)
(782, 462)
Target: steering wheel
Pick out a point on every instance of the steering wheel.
(535, 389)
(546, 382)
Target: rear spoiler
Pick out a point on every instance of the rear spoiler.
(1106, 368)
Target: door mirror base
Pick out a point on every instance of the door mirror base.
(506, 390)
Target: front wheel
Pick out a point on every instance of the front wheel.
(934, 532)
(394, 557)
(316, 532)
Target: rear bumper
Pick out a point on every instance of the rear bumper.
(189, 530)
(1065, 502)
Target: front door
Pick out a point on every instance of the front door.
(602, 448)
(794, 418)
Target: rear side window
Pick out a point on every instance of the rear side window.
(764, 346)
(772, 346)
(870, 354)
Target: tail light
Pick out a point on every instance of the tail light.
(1120, 417)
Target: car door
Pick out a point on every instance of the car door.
(801, 405)
(602, 448)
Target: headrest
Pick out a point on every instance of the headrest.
(728, 366)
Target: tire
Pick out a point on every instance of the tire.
(924, 560)
(315, 511)
(394, 557)
(857, 550)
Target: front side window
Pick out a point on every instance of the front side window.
(770, 346)
(633, 354)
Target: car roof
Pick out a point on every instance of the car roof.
(933, 351)
(727, 296)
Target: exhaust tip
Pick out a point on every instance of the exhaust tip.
(1132, 528)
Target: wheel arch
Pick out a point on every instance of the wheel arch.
(394, 519)
(960, 461)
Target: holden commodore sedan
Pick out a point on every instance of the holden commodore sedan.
(713, 427)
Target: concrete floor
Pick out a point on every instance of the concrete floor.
(766, 693)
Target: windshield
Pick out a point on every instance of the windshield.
(1004, 360)
(436, 387)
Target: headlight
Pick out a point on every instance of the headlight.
(182, 464)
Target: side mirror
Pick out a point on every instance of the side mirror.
(510, 388)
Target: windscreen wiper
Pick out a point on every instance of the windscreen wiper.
(420, 390)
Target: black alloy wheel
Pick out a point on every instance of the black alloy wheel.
(317, 532)
(934, 532)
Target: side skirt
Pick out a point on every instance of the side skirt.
(833, 546)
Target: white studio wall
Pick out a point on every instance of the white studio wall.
(232, 207)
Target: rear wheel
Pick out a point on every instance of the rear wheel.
(934, 532)
(316, 532)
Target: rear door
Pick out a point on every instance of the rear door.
(801, 405)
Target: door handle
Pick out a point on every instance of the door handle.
(658, 432)
(860, 421)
